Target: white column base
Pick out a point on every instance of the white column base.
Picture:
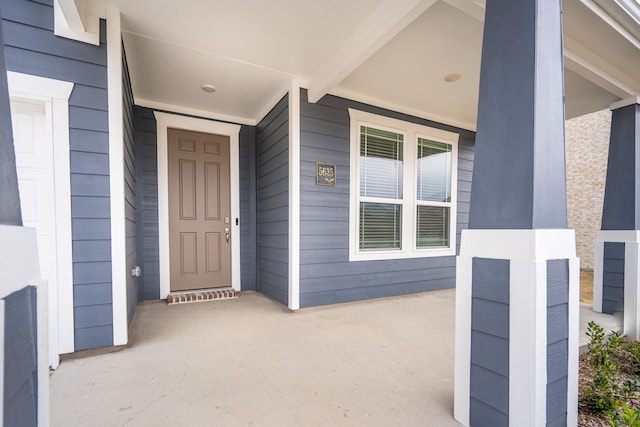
(631, 239)
(528, 251)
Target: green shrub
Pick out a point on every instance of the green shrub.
(605, 392)
(632, 349)
(624, 417)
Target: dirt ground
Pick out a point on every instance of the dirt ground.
(586, 287)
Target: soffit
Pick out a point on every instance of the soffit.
(253, 50)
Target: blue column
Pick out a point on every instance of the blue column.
(617, 253)
(517, 273)
(519, 165)
(621, 210)
(9, 198)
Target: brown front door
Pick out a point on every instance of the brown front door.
(199, 210)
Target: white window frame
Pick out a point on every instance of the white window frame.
(411, 132)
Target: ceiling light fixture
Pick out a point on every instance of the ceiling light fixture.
(208, 88)
(452, 77)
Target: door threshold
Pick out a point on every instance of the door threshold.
(201, 295)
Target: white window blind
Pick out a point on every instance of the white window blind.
(434, 171)
(381, 170)
(433, 193)
(380, 163)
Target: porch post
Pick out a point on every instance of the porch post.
(517, 272)
(616, 278)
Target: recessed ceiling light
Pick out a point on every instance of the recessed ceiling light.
(452, 77)
(208, 88)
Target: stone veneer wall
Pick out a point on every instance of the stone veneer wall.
(587, 144)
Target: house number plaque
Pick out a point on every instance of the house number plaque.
(325, 174)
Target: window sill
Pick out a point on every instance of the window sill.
(391, 255)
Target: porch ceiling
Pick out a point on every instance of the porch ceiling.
(393, 53)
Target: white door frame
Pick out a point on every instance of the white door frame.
(165, 121)
(54, 95)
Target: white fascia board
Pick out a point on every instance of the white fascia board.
(170, 108)
(382, 25)
(71, 22)
(404, 110)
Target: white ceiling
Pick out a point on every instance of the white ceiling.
(392, 53)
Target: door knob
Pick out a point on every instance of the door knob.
(226, 232)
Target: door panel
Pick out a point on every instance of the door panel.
(187, 189)
(199, 210)
(214, 249)
(212, 190)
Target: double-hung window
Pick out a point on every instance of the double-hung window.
(403, 189)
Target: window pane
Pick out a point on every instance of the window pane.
(434, 171)
(380, 226)
(380, 163)
(432, 226)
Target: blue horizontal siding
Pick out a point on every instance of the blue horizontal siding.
(248, 208)
(94, 337)
(130, 176)
(326, 275)
(272, 203)
(145, 139)
(613, 277)
(32, 48)
(92, 294)
(557, 340)
(489, 379)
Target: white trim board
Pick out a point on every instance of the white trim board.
(294, 197)
(164, 122)
(194, 112)
(54, 94)
(116, 179)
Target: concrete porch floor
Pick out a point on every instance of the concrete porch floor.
(249, 362)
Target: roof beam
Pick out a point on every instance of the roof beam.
(578, 58)
(623, 14)
(382, 25)
(586, 64)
